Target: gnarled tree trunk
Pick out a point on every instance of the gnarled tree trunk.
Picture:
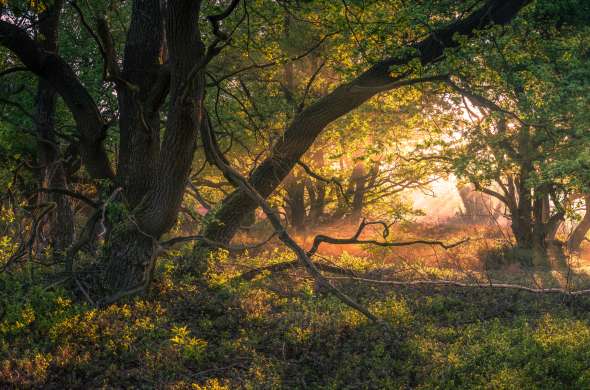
(131, 251)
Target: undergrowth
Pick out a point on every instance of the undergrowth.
(278, 331)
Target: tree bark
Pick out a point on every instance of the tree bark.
(139, 119)
(309, 124)
(579, 234)
(317, 201)
(131, 250)
(52, 171)
(295, 202)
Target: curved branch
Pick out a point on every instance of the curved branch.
(63, 79)
(320, 238)
(215, 19)
(232, 248)
(71, 194)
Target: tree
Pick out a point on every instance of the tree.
(160, 79)
(385, 75)
(523, 91)
(152, 170)
(53, 170)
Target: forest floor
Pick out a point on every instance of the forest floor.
(274, 330)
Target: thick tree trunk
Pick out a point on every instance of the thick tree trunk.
(522, 230)
(139, 119)
(309, 124)
(130, 252)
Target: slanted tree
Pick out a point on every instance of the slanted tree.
(384, 75)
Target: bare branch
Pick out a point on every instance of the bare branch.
(232, 248)
(215, 19)
(453, 283)
(319, 239)
(69, 193)
(207, 134)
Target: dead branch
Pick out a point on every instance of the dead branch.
(251, 274)
(284, 236)
(452, 283)
(26, 246)
(319, 239)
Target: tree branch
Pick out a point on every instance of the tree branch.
(319, 239)
(61, 76)
(284, 236)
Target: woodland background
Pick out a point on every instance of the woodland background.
(294, 194)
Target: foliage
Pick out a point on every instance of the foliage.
(273, 333)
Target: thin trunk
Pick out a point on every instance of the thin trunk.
(317, 201)
(579, 234)
(539, 233)
(53, 173)
(358, 180)
(295, 202)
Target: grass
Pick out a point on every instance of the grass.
(278, 331)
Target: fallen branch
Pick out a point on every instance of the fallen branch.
(251, 274)
(452, 283)
(164, 245)
(319, 239)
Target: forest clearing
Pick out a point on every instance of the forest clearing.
(294, 194)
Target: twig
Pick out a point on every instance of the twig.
(83, 290)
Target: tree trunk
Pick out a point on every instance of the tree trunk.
(539, 233)
(52, 173)
(295, 202)
(358, 179)
(131, 254)
(131, 250)
(139, 119)
(317, 201)
(579, 234)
